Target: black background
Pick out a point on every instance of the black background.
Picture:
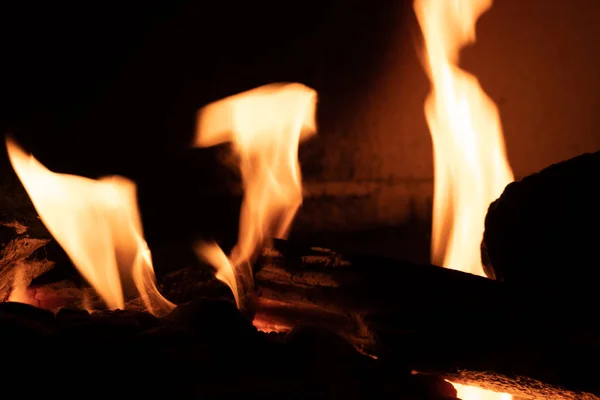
(96, 88)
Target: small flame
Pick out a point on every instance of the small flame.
(97, 223)
(212, 254)
(471, 167)
(86, 302)
(18, 293)
(266, 125)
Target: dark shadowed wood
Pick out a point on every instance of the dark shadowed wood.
(544, 228)
(434, 319)
(422, 317)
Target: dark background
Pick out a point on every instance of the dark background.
(96, 88)
(85, 81)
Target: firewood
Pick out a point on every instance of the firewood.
(17, 266)
(433, 319)
(543, 230)
(206, 339)
(363, 292)
(425, 318)
(22, 237)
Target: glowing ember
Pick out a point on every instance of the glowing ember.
(268, 326)
(18, 293)
(97, 223)
(471, 168)
(266, 125)
(473, 393)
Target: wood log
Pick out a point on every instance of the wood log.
(17, 268)
(470, 329)
(434, 319)
(543, 230)
(207, 339)
(23, 237)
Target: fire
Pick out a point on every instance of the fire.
(265, 125)
(97, 223)
(471, 167)
(473, 393)
(213, 255)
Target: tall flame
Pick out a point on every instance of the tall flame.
(97, 223)
(471, 167)
(266, 125)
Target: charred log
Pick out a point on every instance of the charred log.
(23, 238)
(17, 268)
(434, 319)
(412, 317)
(204, 349)
(543, 230)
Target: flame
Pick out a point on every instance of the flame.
(471, 167)
(266, 125)
(97, 223)
(213, 255)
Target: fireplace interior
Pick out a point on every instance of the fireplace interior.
(348, 304)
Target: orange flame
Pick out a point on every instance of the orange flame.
(471, 167)
(266, 125)
(97, 223)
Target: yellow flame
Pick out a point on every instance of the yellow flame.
(471, 167)
(265, 125)
(97, 223)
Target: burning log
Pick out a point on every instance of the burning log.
(543, 230)
(208, 340)
(18, 268)
(469, 329)
(356, 296)
(436, 321)
(22, 234)
(433, 319)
